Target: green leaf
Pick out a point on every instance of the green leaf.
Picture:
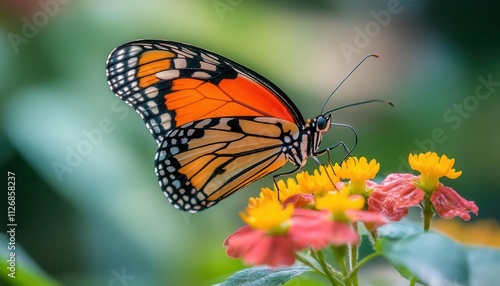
(263, 275)
(484, 265)
(437, 260)
(400, 229)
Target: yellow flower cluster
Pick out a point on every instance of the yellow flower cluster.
(432, 167)
(338, 203)
(358, 171)
(270, 216)
(337, 188)
(267, 213)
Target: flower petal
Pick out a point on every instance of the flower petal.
(239, 243)
(239, 232)
(258, 248)
(268, 216)
(381, 203)
(402, 190)
(300, 200)
(308, 228)
(366, 216)
(317, 230)
(341, 233)
(371, 219)
(432, 168)
(395, 194)
(371, 184)
(271, 250)
(448, 204)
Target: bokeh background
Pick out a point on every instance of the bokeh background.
(88, 206)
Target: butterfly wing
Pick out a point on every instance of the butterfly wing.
(170, 84)
(203, 162)
(219, 125)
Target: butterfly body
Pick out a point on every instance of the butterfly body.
(219, 126)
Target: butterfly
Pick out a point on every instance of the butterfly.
(219, 125)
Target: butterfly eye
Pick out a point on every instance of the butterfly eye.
(322, 123)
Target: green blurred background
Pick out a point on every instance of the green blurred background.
(100, 217)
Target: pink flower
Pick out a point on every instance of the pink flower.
(306, 228)
(260, 247)
(394, 195)
(317, 229)
(449, 204)
(338, 213)
(399, 191)
(274, 232)
(256, 247)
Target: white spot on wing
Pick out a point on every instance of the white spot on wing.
(119, 67)
(202, 75)
(134, 50)
(168, 74)
(132, 62)
(151, 91)
(207, 66)
(162, 156)
(180, 63)
(165, 117)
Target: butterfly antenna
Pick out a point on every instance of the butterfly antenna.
(361, 103)
(331, 94)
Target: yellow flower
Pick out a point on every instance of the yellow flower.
(338, 203)
(309, 184)
(321, 181)
(432, 167)
(269, 215)
(286, 190)
(327, 177)
(357, 171)
(265, 194)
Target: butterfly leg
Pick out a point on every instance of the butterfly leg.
(295, 170)
(341, 143)
(328, 151)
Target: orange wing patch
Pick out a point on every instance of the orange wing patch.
(196, 99)
(150, 63)
(255, 96)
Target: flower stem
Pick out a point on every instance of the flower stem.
(339, 252)
(318, 255)
(354, 258)
(374, 235)
(361, 263)
(331, 277)
(428, 213)
(308, 263)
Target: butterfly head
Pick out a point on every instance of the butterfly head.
(323, 123)
(315, 128)
(320, 124)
